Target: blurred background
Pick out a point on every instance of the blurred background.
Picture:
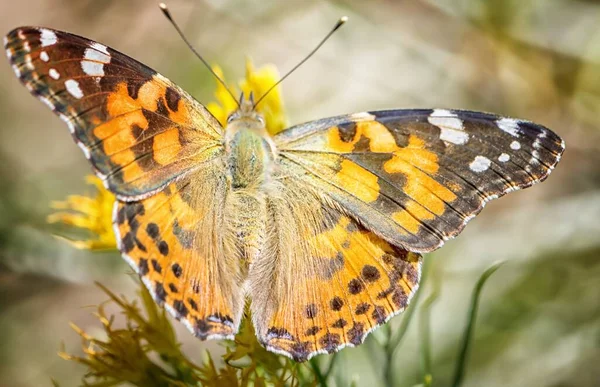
(534, 59)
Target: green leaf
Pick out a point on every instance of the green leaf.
(469, 329)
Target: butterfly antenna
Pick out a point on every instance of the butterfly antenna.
(165, 11)
(339, 23)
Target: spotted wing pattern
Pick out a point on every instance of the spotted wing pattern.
(324, 281)
(416, 177)
(175, 241)
(137, 128)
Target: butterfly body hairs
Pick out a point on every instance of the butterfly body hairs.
(321, 226)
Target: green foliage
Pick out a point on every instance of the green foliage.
(146, 353)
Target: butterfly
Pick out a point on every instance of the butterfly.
(320, 226)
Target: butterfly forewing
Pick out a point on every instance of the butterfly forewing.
(416, 177)
(137, 128)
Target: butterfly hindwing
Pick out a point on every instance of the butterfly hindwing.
(323, 281)
(416, 177)
(137, 128)
(174, 241)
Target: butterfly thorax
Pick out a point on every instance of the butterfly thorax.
(249, 148)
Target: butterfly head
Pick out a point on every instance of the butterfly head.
(246, 113)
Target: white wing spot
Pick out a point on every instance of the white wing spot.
(98, 56)
(515, 145)
(480, 164)
(44, 56)
(93, 69)
(362, 116)
(509, 125)
(503, 158)
(53, 74)
(94, 60)
(48, 38)
(535, 157)
(26, 46)
(28, 63)
(451, 127)
(86, 151)
(100, 47)
(73, 88)
(69, 123)
(47, 102)
(163, 79)
(16, 70)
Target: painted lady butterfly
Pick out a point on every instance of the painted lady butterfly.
(322, 225)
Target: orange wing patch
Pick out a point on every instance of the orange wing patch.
(416, 163)
(173, 243)
(429, 197)
(152, 129)
(130, 127)
(344, 139)
(357, 181)
(167, 146)
(329, 287)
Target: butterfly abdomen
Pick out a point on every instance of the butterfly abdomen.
(246, 219)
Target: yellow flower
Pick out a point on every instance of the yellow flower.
(95, 213)
(257, 81)
(91, 213)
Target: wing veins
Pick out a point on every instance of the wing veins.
(432, 231)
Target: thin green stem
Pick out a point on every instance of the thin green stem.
(425, 334)
(394, 339)
(398, 336)
(321, 379)
(389, 350)
(334, 358)
(468, 333)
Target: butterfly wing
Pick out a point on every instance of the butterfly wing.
(355, 200)
(137, 128)
(175, 240)
(323, 281)
(416, 177)
(158, 150)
